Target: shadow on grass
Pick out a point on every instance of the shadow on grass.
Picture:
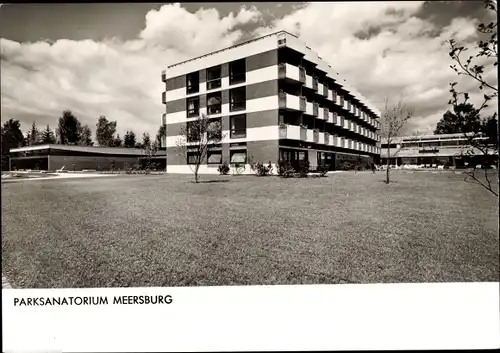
(210, 181)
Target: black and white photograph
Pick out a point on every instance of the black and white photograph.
(249, 144)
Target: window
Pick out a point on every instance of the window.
(214, 156)
(238, 124)
(192, 157)
(213, 77)
(238, 156)
(237, 72)
(193, 107)
(237, 98)
(214, 129)
(193, 83)
(193, 131)
(214, 103)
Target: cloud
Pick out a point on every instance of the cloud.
(118, 79)
(382, 48)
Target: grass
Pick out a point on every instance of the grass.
(166, 231)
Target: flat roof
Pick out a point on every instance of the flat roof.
(88, 149)
(232, 46)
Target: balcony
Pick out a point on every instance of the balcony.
(164, 76)
(315, 109)
(309, 109)
(345, 124)
(321, 112)
(326, 114)
(164, 97)
(329, 95)
(321, 138)
(316, 136)
(303, 133)
(320, 88)
(310, 135)
(291, 72)
(315, 84)
(290, 132)
(291, 102)
(326, 137)
(309, 82)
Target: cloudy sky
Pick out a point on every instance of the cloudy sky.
(106, 59)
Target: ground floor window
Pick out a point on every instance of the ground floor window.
(192, 158)
(214, 157)
(238, 156)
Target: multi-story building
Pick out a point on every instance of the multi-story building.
(275, 99)
(454, 150)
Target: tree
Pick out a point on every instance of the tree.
(146, 140)
(393, 120)
(149, 152)
(129, 140)
(33, 136)
(118, 141)
(85, 136)
(12, 137)
(47, 136)
(105, 132)
(465, 118)
(69, 128)
(196, 138)
(162, 132)
(476, 67)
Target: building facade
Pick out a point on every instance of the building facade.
(453, 150)
(53, 157)
(275, 98)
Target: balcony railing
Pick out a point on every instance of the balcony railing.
(315, 135)
(327, 138)
(315, 109)
(302, 74)
(309, 81)
(321, 112)
(309, 108)
(292, 72)
(289, 101)
(303, 133)
(326, 114)
(291, 132)
(320, 88)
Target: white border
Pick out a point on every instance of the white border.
(307, 317)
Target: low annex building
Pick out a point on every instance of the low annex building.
(53, 157)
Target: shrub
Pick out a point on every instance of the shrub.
(285, 169)
(223, 169)
(322, 169)
(262, 170)
(345, 165)
(238, 168)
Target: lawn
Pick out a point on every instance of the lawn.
(137, 230)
